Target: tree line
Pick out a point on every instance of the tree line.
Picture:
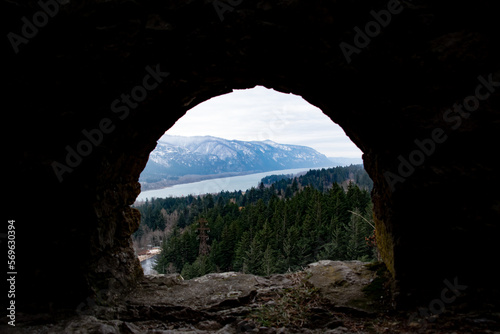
(281, 225)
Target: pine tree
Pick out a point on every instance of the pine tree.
(200, 267)
(157, 221)
(169, 253)
(290, 250)
(356, 247)
(182, 222)
(240, 253)
(216, 255)
(225, 252)
(268, 261)
(188, 272)
(252, 262)
(334, 249)
(209, 201)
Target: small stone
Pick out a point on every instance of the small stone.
(209, 325)
(245, 326)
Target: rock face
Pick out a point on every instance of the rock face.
(326, 297)
(229, 303)
(342, 283)
(93, 85)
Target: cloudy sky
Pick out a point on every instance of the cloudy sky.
(260, 114)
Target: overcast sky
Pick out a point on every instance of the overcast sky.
(259, 114)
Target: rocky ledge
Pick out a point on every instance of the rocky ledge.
(326, 297)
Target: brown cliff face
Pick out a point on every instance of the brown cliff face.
(326, 297)
(93, 85)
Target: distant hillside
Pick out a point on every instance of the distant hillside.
(179, 159)
(338, 161)
(323, 179)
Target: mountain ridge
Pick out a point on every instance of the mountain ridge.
(182, 159)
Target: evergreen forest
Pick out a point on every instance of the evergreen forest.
(281, 225)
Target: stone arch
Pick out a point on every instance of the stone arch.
(393, 91)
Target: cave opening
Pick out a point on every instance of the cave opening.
(236, 141)
(439, 225)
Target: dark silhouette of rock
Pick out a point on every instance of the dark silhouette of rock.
(90, 86)
(326, 297)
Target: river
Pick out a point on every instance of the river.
(147, 266)
(233, 183)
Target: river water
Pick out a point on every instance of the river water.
(147, 266)
(233, 183)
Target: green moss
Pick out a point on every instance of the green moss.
(378, 291)
(385, 244)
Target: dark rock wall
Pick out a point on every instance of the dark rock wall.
(64, 80)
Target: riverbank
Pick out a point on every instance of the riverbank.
(148, 253)
(233, 183)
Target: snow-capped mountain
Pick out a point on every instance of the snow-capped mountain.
(178, 156)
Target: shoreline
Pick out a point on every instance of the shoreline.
(216, 185)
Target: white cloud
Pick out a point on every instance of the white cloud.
(259, 114)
